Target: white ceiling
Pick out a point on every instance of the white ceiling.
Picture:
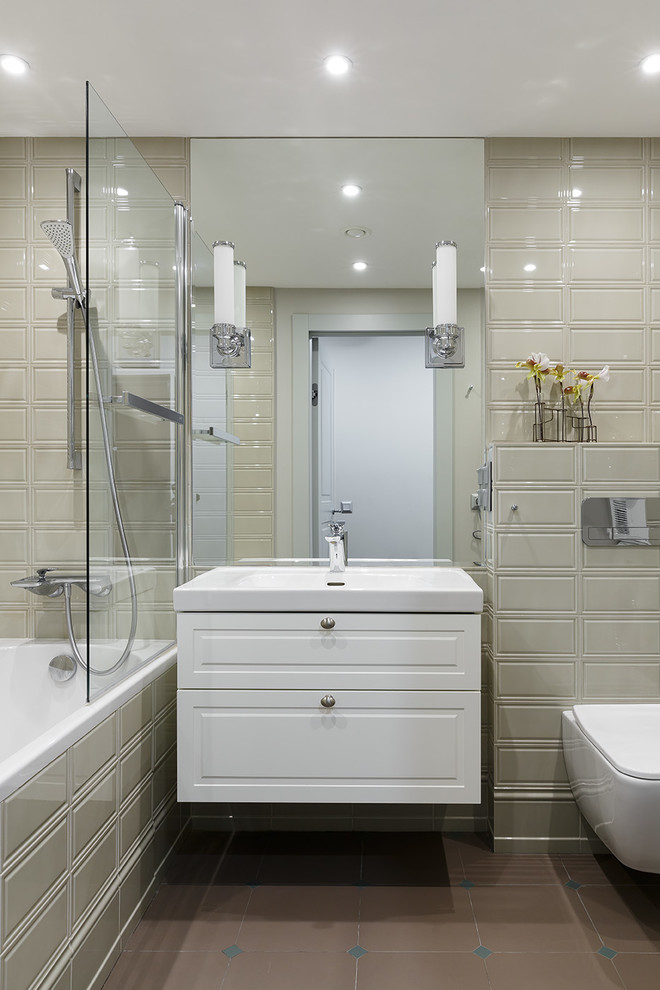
(253, 67)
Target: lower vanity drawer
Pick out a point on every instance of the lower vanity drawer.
(368, 746)
(406, 651)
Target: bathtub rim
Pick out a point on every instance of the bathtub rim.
(20, 767)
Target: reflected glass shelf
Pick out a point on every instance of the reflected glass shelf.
(215, 436)
(128, 400)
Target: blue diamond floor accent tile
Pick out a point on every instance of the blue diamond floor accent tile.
(232, 950)
(357, 951)
(482, 952)
(466, 883)
(608, 953)
(572, 884)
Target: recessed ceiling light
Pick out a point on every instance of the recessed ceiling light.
(337, 65)
(651, 64)
(357, 231)
(350, 189)
(121, 191)
(529, 268)
(576, 193)
(359, 266)
(14, 64)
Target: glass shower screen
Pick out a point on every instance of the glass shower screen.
(132, 417)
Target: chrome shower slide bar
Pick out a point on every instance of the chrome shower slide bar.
(74, 456)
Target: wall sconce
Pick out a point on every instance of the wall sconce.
(231, 340)
(444, 346)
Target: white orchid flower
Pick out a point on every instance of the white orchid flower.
(604, 374)
(542, 361)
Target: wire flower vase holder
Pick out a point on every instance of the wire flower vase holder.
(567, 419)
(582, 421)
(563, 424)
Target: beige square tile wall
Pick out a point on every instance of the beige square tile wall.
(252, 397)
(571, 624)
(42, 514)
(584, 211)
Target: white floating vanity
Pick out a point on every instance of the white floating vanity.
(300, 685)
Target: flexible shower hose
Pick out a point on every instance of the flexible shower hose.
(120, 527)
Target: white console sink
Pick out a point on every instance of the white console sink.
(311, 589)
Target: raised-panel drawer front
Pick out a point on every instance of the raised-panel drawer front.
(292, 650)
(371, 746)
(520, 507)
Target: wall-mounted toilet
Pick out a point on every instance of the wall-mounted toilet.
(612, 755)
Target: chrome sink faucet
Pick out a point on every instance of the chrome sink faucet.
(338, 546)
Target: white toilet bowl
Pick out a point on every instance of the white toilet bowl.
(612, 755)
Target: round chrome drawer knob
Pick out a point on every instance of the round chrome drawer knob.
(328, 622)
(328, 701)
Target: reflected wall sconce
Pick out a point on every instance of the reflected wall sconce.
(444, 345)
(231, 340)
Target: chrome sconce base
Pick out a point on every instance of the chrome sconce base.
(444, 346)
(231, 347)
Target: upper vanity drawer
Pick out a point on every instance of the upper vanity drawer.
(278, 650)
(521, 507)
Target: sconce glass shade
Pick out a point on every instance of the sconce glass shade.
(231, 346)
(223, 282)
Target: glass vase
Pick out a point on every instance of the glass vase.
(543, 416)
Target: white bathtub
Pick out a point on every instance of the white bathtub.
(40, 719)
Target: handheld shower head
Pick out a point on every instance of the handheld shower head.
(60, 234)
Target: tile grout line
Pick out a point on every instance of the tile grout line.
(591, 920)
(359, 921)
(238, 935)
(223, 857)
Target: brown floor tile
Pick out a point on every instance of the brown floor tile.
(472, 843)
(421, 971)
(197, 858)
(291, 971)
(295, 919)
(532, 919)
(201, 919)
(606, 869)
(317, 858)
(626, 918)
(452, 849)
(505, 868)
(417, 919)
(168, 971)
(552, 971)
(482, 866)
(412, 858)
(639, 971)
(243, 858)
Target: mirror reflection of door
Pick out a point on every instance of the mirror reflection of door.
(373, 443)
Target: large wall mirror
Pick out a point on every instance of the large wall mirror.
(357, 418)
